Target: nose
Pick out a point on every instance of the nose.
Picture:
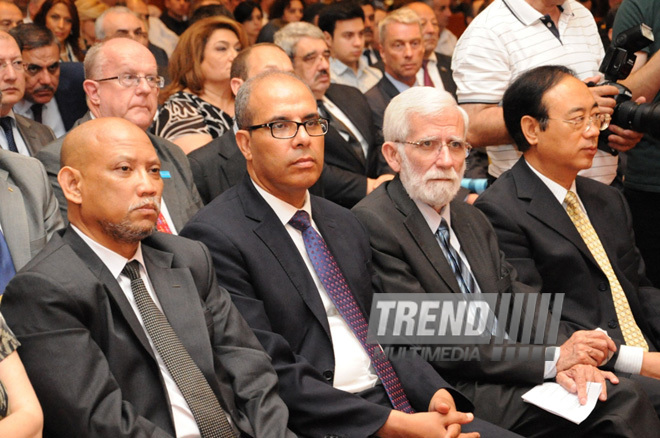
(148, 184)
(9, 72)
(44, 77)
(302, 138)
(444, 158)
(143, 86)
(232, 54)
(324, 64)
(592, 130)
(408, 50)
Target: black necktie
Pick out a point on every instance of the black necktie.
(5, 122)
(37, 109)
(342, 129)
(201, 399)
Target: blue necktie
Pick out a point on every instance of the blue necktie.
(465, 280)
(5, 122)
(7, 270)
(335, 285)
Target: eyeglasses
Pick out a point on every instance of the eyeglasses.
(601, 121)
(16, 64)
(456, 148)
(35, 69)
(129, 80)
(284, 129)
(313, 58)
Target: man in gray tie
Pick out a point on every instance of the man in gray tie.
(18, 134)
(124, 330)
(423, 242)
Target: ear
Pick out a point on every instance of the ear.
(70, 181)
(235, 84)
(92, 91)
(391, 154)
(328, 38)
(243, 142)
(530, 128)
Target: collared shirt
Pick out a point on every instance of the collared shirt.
(338, 114)
(353, 370)
(630, 358)
(446, 43)
(50, 114)
(434, 73)
(18, 138)
(510, 37)
(400, 86)
(184, 422)
(364, 80)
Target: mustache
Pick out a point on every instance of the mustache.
(44, 88)
(321, 73)
(441, 174)
(151, 201)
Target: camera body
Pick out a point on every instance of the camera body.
(617, 65)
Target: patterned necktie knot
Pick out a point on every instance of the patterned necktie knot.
(443, 231)
(300, 221)
(571, 200)
(132, 270)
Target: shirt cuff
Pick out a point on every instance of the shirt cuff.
(629, 359)
(551, 358)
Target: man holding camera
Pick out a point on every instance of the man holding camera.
(642, 179)
(512, 36)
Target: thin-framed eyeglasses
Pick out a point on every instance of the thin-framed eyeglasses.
(17, 64)
(285, 129)
(313, 58)
(455, 147)
(129, 80)
(601, 121)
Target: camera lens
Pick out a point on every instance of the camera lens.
(643, 118)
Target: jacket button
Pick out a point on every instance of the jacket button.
(612, 324)
(603, 286)
(328, 375)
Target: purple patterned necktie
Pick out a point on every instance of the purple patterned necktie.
(335, 285)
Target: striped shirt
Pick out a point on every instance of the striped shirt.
(510, 37)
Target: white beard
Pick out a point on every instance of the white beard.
(437, 194)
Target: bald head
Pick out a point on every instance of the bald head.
(110, 177)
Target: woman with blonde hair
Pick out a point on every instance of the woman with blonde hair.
(88, 12)
(198, 105)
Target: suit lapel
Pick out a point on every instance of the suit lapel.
(14, 221)
(30, 136)
(271, 231)
(352, 111)
(421, 234)
(173, 287)
(544, 206)
(98, 268)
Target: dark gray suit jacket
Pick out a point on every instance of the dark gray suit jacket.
(35, 135)
(89, 358)
(179, 190)
(256, 260)
(28, 209)
(540, 240)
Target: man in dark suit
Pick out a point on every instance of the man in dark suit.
(18, 133)
(110, 315)
(402, 217)
(568, 234)
(137, 103)
(28, 209)
(323, 363)
(352, 150)
(41, 57)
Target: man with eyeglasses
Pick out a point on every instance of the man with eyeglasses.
(298, 269)
(122, 81)
(426, 241)
(19, 134)
(569, 234)
(354, 163)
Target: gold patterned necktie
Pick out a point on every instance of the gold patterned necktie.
(629, 328)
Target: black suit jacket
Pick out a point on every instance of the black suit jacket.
(179, 191)
(446, 74)
(540, 240)
(89, 358)
(379, 97)
(256, 260)
(70, 95)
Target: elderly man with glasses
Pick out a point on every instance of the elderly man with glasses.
(122, 81)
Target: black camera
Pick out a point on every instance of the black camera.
(617, 65)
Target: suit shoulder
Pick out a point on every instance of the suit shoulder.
(181, 247)
(504, 187)
(165, 147)
(375, 203)
(10, 161)
(224, 206)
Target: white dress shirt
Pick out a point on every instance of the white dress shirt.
(353, 370)
(50, 115)
(18, 138)
(434, 73)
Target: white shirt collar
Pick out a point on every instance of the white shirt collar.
(113, 261)
(557, 190)
(432, 217)
(283, 210)
(527, 14)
